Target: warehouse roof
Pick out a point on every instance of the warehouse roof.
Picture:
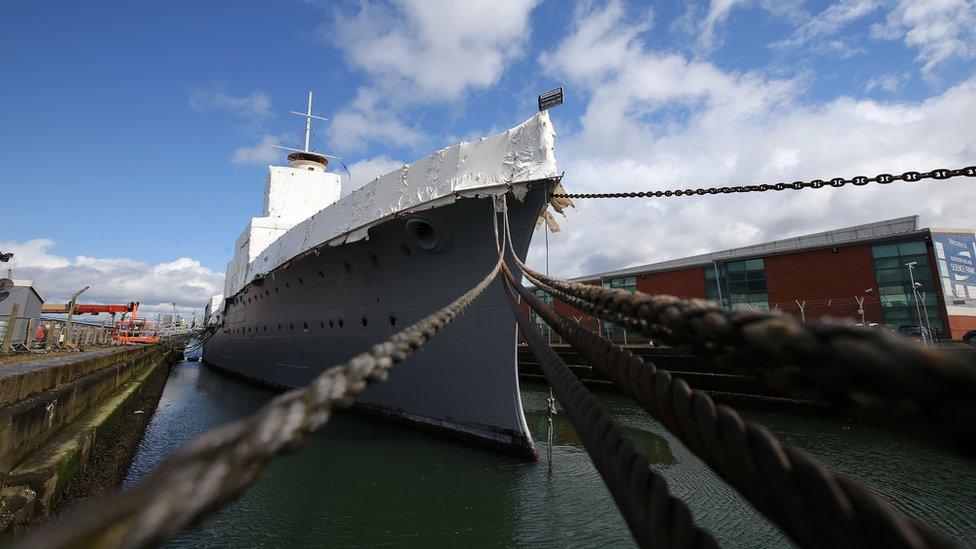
(897, 227)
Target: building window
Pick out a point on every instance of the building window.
(741, 284)
(540, 324)
(895, 284)
(627, 283)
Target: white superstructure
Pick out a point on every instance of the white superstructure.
(302, 209)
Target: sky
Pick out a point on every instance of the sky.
(135, 138)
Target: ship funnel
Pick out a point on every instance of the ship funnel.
(307, 161)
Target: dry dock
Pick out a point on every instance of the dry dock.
(61, 414)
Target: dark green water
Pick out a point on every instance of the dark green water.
(363, 482)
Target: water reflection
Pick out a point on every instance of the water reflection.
(361, 482)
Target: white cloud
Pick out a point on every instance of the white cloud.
(719, 10)
(364, 171)
(891, 82)
(658, 120)
(368, 119)
(434, 50)
(263, 152)
(183, 281)
(831, 20)
(939, 29)
(255, 105)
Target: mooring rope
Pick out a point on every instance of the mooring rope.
(811, 505)
(213, 469)
(881, 377)
(655, 518)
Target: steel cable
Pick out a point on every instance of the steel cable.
(879, 376)
(213, 469)
(814, 507)
(655, 518)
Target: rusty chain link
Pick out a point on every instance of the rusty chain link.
(808, 503)
(213, 469)
(655, 518)
(881, 377)
(860, 180)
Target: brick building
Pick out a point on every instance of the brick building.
(825, 274)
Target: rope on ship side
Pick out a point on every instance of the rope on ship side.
(876, 375)
(745, 454)
(930, 393)
(655, 518)
(216, 467)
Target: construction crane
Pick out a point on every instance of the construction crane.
(90, 309)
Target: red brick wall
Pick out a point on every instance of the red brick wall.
(959, 325)
(684, 283)
(820, 275)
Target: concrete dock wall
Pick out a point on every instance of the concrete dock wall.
(51, 414)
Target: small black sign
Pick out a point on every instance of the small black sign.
(551, 98)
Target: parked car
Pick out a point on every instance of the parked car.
(970, 337)
(915, 332)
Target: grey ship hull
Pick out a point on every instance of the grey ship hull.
(321, 310)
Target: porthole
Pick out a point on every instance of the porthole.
(340, 323)
(365, 321)
(291, 326)
(321, 324)
(304, 326)
(279, 327)
(374, 260)
(300, 281)
(321, 274)
(287, 286)
(392, 320)
(331, 324)
(265, 328)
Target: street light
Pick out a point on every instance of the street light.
(912, 265)
(71, 313)
(925, 309)
(860, 306)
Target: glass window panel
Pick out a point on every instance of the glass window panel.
(887, 276)
(909, 248)
(922, 260)
(739, 287)
(736, 267)
(754, 264)
(886, 263)
(884, 250)
(757, 286)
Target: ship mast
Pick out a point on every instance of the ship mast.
(308, 131)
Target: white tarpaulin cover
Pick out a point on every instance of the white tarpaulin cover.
(484, 167)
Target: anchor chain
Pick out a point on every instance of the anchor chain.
(860, 180)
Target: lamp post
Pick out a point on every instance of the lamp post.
(718, 285)
(860, 306)
(925, 309)
(71, 313)
(912, 265)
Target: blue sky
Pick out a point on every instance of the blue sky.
(133, 138)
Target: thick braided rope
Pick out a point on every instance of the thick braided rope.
(214, 468)
(806, 501)
(654, 517)
(882, 377)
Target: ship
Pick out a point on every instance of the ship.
(319, 278)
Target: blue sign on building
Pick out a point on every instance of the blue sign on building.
(957, 264)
